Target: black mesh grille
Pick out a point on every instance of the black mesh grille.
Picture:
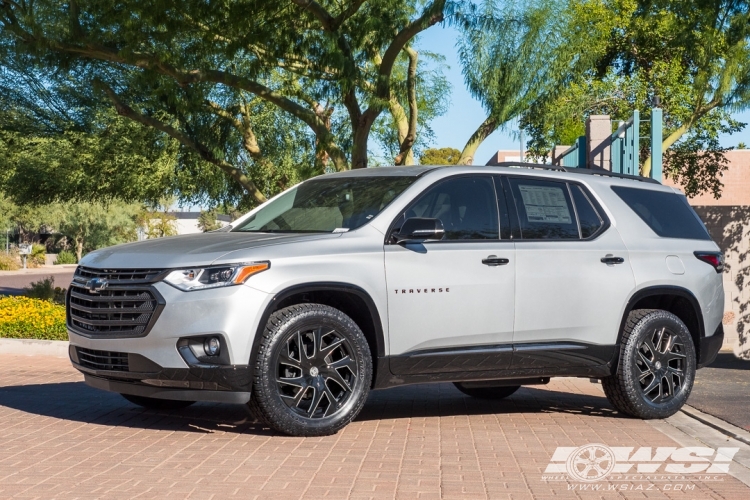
(103, 360)
(124, 308)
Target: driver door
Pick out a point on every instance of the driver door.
(450, 303)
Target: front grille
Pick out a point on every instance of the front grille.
(103, 360)
(118, 276)
(126, 307)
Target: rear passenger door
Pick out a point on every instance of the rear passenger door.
(572, 275)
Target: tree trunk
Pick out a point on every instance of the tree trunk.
(477, 138)
(361, 132)
(677, 134)
(79, 249)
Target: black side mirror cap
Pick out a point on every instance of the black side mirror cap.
(419, 229)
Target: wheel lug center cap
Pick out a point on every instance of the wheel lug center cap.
(314, 371)
(658, 365)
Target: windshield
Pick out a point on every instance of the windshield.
(327, 205)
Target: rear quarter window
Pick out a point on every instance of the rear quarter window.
(668, 214)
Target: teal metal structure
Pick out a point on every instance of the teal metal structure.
(656, 140)
(624, 149)
(625, 146)
(574, 156)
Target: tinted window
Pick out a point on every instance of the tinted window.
(588, 217)
(544, 209)
(466, 206)
(323, 205)
(668, 214)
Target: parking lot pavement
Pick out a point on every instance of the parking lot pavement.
(61, 439)
(13, 282)
(722, 389)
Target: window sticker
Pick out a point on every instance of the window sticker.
(545, 204)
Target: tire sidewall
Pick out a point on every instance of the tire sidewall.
(647, 326)
(277, 412)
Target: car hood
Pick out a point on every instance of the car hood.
(188, 250)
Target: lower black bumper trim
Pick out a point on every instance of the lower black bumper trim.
(709, 347)
(166, 393)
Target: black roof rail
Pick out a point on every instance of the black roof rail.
(544, 166)
(607, 173)
(573, 170)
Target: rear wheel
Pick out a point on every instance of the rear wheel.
(487, 392)
(313, 371)
(157, 404)
(656, 369)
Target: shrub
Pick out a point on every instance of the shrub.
(8, 262)
(27, 318)
(45, 289)
(65, 257)
(38, 256)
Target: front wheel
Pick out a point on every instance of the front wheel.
(157, 404)
(656, 368)
(313, 371)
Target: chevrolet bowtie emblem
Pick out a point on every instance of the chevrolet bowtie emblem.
(96, 285)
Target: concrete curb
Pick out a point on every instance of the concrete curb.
(29, 347)
(725, 428)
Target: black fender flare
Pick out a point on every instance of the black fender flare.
(654, 291)
(322, 287)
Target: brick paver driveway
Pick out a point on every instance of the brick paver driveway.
(61, 439)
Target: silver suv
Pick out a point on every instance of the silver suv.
(487, 277)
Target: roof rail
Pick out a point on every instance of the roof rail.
(585, 171)
(525, 164)
(607, 173)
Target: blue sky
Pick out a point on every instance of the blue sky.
(465, 113)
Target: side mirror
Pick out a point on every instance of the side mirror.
(420, 229)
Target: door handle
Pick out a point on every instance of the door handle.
(494, 260)
(610, 259)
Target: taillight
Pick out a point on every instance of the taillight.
(716, 259)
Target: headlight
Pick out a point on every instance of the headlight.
(200, 278)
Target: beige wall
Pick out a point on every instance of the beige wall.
(736, 180)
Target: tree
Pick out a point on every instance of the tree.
(157, 224)
(653, 55)
(522, 52)
(207, 221)
(193, 72)
(95, 225)
(442, 156)
(115, 158)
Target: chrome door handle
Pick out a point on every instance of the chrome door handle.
(494, 260)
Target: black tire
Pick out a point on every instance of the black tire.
(310, 353)
(656, 369)
(157, 404)
(487, 392)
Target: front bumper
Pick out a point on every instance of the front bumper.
(153, 366)
(134, 374)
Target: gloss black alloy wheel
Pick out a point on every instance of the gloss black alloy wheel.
(657, 364)
(316, 372)
(661, 363)
(312, 372)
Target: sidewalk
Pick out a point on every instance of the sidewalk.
(64, 268)
(722, 389)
